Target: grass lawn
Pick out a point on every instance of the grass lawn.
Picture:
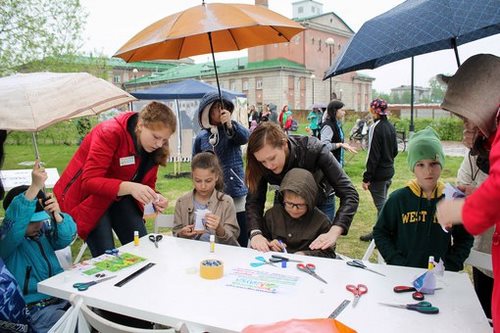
(172, 188)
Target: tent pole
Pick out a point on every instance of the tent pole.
(179, 137)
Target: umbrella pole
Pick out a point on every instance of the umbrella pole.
(215, 65)
(217, 78)
(35, 146)
(412, 125)
(454, 44)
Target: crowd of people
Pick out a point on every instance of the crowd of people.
(112, 177)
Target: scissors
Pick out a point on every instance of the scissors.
(417, 295)
(277, 258)
(113, 252)
(263, 261)
(357, 290)
(82, 286)
(359, 264)
(311, 270)
(422, 307)
(155, 239)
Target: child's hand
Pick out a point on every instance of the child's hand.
(187, 231)
(38, 176)
(160, 204)
(52, 207)
(277, 246)
(365, 186)
(467, 189)
(212, 221)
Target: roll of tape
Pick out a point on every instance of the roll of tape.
(211, 269)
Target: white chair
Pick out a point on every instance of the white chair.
(163, 221)
(103, 325)
(479, 260)
(83, 248)
(369, 252)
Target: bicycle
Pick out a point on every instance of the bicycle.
(401, 140)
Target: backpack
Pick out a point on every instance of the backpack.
(14, 316)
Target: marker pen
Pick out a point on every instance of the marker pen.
(282, 246)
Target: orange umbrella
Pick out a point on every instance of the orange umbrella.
(209, 28)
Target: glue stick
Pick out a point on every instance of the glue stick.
(212, 243)
(136, 238)
(430, 265)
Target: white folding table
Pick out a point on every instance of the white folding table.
(172, 291)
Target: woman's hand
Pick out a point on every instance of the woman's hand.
(349, 148)
(52, 207)
(160, 204)
(260, 243)
(449, 212)
(187, 232)
(326, 240)
(142, 193)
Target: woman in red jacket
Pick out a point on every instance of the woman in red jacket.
(113, 174)
(473, 93)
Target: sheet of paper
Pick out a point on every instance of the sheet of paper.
(199, 219)
(451, 192)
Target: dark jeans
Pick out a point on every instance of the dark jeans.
(379, 191)
(483, 285)
(124, 217)
(241, 217)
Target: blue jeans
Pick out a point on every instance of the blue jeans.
(124, 217)
(42, 319)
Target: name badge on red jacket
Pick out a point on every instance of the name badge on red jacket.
(129, 160)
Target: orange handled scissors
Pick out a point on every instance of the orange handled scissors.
(358, 290)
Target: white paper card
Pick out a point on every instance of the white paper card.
(199, 219)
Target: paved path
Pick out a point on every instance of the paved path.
(454, 148)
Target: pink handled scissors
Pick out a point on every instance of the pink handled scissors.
(358, 290)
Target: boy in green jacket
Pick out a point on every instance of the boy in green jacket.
(407, 231)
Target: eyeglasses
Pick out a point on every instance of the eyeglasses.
(294, 205)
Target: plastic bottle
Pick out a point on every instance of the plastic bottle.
(136, 238)
(212, 243)
(430, 265)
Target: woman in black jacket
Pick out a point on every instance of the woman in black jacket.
(270, 155)
(332, 134)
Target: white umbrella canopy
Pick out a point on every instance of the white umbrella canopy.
(34, 101)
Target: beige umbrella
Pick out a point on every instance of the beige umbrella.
(34, 101)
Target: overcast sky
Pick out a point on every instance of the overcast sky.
(111, 23)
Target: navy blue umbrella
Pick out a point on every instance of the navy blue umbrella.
(417, 27)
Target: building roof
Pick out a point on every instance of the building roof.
(184, 71)
(312, 18)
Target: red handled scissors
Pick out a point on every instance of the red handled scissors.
(311, 270)
(358, 290)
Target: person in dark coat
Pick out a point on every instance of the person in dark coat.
(225, 137)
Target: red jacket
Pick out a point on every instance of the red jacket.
(480, 212)
(90, 182)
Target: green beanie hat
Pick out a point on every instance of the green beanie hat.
(425, 145)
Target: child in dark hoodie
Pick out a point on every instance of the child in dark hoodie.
(296, 222)
(407, 231)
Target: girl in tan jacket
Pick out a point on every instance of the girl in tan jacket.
(206, 203)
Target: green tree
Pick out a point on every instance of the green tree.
(381, 94)
(437, 90)
(38, 29)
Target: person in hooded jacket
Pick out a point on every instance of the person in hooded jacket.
(296, 222)
(225, 137)
(33, 229)
(406, 232)
(473, 94)
(113, 174)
